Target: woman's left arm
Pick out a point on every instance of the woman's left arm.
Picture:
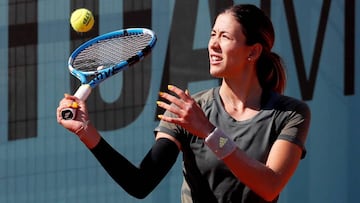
(267, 180)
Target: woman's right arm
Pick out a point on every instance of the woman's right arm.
(137, 181)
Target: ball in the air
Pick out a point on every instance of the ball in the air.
(82, 20)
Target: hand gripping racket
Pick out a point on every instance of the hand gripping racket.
(102, 57)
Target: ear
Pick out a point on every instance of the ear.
(255, 51)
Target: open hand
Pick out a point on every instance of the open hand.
(189, 114)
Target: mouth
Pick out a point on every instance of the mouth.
(214, 59)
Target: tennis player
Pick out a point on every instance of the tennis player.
(240, 142)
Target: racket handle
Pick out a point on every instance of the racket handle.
(82, 93)
(68, 113)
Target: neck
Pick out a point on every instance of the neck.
(241, 97)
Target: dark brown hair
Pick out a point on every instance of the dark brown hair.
(258, 28)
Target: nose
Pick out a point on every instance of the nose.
(213, 43)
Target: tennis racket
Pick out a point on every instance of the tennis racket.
(102, 57)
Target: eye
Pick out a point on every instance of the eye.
(225, 36)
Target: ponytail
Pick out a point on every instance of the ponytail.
(257, 28)
(271, 72)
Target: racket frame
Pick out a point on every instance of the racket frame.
(106, 72)
(99, 76)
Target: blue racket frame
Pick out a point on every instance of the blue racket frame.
(99, 75)
(106, 72)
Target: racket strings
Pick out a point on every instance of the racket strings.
(110, 52)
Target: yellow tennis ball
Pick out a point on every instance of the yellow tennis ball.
(82, 20)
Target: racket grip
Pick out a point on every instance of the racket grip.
(82, 93)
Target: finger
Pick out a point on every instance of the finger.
(58, 114)
(171, 108)
(70, 101)
(71, 97)
(67, 98)
(187, 92)
(172, 99)
(169, 119)
(66, 103)
(182, 95)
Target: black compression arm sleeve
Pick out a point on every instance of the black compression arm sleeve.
(138, 181)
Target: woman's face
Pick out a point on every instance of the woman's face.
(228, 52)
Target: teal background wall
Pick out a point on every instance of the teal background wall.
(42, 162)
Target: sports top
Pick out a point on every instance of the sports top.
(206, 178)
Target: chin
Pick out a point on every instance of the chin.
(215, 73)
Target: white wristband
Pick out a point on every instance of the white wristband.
(220, 143)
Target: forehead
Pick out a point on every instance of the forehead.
(226, 22)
